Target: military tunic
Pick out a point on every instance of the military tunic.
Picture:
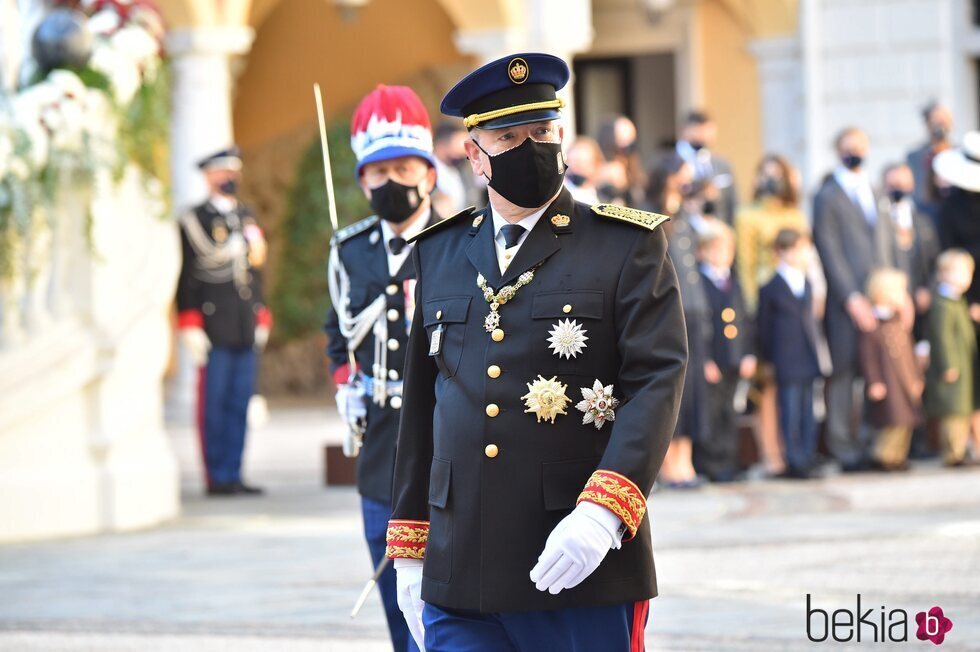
(479, 482)
(365, 259)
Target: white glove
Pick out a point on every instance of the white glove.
(197, 344)
(408, 580)
(576, 547)
(350, 406)
(261, 338)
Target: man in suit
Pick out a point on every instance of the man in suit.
(527, 504)
(711, 171)
(371, 319)
(788, 339)
(938, 120)
(853, 234)
(222, 319)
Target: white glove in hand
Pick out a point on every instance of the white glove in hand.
(408, 580)
(197, 344)
(576, 547)
(261, 338)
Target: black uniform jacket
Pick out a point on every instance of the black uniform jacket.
(228, 312)
(731, 334)
(477, 495)
(365, 258)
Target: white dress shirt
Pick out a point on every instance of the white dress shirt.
(224, 204)
(506, 255)
(795, 279)
(395, 261)
(857, 185)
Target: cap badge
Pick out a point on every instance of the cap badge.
(517, 70)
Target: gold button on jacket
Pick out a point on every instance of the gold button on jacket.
(491, 450)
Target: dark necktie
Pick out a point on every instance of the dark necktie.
(512, 234)
(396, 245)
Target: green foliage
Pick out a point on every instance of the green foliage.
(145, 124)
(300, 297)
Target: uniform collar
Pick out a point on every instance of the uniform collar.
(413, 229)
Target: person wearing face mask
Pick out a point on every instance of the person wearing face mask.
(622, 179)
(854, 234)
(541, 390)
(585, 162)
(456, 186)
(938, 120)
(694, 145)
(775, 207)
(222, 320)
(373, 285)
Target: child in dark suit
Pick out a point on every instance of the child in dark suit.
(891, 372)
(730, 356)
(788, 339)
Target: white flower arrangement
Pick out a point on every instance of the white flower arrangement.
(61, 125)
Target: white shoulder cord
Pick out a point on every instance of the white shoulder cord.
(355, 328)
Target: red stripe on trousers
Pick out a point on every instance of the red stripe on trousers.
(640, 610)
(201, 437)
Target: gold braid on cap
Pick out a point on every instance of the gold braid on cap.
(477, 118)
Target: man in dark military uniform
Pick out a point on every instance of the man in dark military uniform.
(373, 286)
(222, 320)
(542, 384)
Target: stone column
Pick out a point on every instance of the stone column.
(201, 123)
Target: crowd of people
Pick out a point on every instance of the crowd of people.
(841, 333)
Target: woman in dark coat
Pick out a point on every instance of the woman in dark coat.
(666, 194)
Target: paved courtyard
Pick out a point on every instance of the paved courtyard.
(281, 572)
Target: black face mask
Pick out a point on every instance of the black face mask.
(527, 175)
(852, 161)
(229, 187)
(696, 145)
(773, 186)
(896, 194)
(708, 208)
(939, 133)
(628, 149)
(576, 179)
(394, 202)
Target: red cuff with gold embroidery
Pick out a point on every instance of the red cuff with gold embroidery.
(263, 317)
(406, 539)
(618, 494)
(341, 375)
(191, 318)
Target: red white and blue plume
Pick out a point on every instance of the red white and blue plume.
(390, 121)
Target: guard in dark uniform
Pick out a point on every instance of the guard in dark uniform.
(373, 282)
(223, 321)
(542, 384)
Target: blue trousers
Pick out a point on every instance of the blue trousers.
(376, 515)
(227, 384)
(797, 425)
(617, 628)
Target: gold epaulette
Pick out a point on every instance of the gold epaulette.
(466, 212)
(649, 221)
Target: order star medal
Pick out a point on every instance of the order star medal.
(567, 338)
(598, 404)
(546, 398)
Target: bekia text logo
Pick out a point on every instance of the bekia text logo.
(873, 624)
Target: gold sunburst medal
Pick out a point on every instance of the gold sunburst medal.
(546, 398)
